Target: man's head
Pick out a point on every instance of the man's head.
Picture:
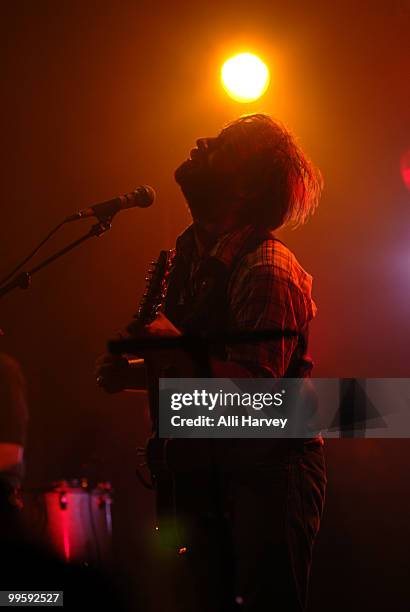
(254, 172)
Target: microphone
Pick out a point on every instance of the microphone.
(142, 197)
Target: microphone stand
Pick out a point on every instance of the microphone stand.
(23, 280)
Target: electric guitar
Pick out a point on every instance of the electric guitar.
(153, 456)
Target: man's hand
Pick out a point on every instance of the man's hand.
(161, 326)
(177, 360)
(112, 372)
(116, 373)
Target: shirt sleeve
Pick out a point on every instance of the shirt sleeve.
(264, 297)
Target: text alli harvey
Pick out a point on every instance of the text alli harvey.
(227, 421)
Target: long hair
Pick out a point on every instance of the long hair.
(279, 184)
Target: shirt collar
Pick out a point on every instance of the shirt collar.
(226, 249)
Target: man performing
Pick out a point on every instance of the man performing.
(249, 510)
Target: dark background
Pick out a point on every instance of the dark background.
(100, 96)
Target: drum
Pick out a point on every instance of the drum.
(71, 519)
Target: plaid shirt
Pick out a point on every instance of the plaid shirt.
(268, 289)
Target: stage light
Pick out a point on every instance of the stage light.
(245, 77)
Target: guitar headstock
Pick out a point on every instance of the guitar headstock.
(156, 287)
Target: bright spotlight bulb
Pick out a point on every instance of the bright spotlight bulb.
(245, 77)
